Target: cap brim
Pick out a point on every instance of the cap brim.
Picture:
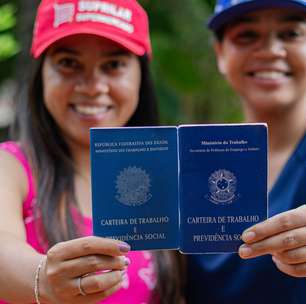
(128, 44)
(218, 20)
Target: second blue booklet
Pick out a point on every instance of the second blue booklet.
(223, 185)
(192, 187)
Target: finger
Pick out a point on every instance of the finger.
(297, 270)
(294, 256)
(94, 298)
(281, 242)
(93, 263)
(100, 282)
(87, 246)
(62, 287)
(282, 222)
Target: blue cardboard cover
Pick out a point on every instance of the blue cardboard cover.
(223, 184)
(135, 186)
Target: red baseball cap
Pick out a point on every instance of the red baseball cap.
(122, 21)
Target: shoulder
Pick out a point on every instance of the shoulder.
(301, 149)
(12, 173)
(13, 190)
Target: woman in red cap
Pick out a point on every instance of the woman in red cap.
(261, 50)
(92, 71)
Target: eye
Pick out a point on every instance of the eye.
(113, 65)
(292, 35)
(68, 64)
(245, 36)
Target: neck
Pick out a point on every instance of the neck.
(285, 127)
(81, 157)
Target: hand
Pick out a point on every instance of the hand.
(284, 237)
(84, 270)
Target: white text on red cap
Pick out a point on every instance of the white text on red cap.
(94, 11)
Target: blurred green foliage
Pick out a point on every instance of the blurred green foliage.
(8, 44)
(189, 86)
(7, 18)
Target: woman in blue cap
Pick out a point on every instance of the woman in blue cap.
(261, 50)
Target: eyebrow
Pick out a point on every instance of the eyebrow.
(244, 19)
(294, 18)
(119, 52)
(240, 21)
(65, 50)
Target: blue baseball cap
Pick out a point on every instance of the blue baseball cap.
(227, 10)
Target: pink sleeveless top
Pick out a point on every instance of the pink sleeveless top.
(140, 278)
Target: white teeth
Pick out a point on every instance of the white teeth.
(269, 75)
(91, 110)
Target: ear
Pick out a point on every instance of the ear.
(218, 47)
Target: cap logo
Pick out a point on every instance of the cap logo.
(106, 8)
(224, 4)
(63, 13)
(218, 8)
(234, 2)
(94, 11)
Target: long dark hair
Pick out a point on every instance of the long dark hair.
(54, 169)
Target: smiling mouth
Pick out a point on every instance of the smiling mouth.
(269, 75)
(91, 110)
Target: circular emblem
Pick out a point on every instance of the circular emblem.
(222, 187)
(133, 186)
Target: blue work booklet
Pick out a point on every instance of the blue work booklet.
(194, 187)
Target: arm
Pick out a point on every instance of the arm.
(284, 237)
(64, 263)
(12, 234)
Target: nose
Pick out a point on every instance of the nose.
(92, 83)
(271, 47)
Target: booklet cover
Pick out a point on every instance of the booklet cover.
(135, 186)
(222, 184)
(193, 188)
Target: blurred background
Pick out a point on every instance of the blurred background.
(189, 87)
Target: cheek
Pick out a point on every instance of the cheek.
(229, 60)
(232, 71)
(236, 65)
(127, 90)
(55, 90)
(298, 59)
(50, 84)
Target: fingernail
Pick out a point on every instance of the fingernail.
(123, 273)
(275, 260)
(126, 261)
(124, 247)
(248, 236)
(245, 251)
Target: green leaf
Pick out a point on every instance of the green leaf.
(8, 46)
(7, 17)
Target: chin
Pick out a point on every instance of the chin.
(270, 100)
(268, 107)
